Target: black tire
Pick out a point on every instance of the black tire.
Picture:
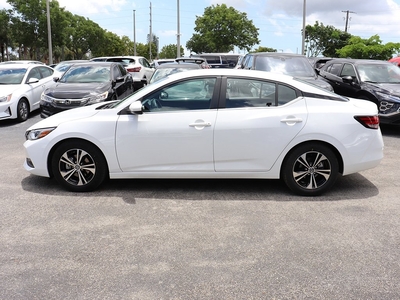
(22, 110)
(310, 169)
(79, 166)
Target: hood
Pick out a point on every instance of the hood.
(8, 89)
(77, 90)
(392, 88)
(83, 112)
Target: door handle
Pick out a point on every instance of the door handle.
(292, 121)
(203, 124)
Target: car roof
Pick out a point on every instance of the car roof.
(279, 54)
(21, 65)
(169, 65)
(357, 61)
(95, 63)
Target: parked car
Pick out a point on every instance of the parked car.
(295, 65)
(138, 66)
(374, 80)
(167, 69)
(63, 66)
(318, 62)
(217, 123)
(158, 62)
(220, 60)
(202, 62)
(395, 60)
(23, 62)
(85, 84)
(21, 87)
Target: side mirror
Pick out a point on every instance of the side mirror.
(347, 79)
(136, 108)
(56, 79)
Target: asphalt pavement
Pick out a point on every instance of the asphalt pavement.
(198, 239)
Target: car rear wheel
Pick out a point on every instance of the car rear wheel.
(310, 169)
(22, 110)
(79, 166)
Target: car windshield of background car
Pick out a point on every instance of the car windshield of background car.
(294, 66)
(86, 74)
(385, 73)
(12, 76)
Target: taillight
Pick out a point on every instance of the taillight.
(368, 121)
(136, 69)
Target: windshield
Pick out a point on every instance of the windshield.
(86, 74)
(293, 66)
(385, 73)
(12, 76)
(161, 73)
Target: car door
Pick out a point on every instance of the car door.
(35, 89)
(175, 132)
(347, 88)
(148, 70)
(331, 72)
(259, 121)
(119, 86)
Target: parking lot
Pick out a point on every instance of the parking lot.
(198, 239)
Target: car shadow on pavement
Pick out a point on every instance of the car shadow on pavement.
(350, 187)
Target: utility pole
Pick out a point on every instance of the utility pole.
(178, 36)
(151, 35)
(49, 33)
(134, 32)
(347, 18)
(303, 38)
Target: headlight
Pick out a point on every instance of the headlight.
(98, 98)
(5, 98)
(36, 134)
(46, 98)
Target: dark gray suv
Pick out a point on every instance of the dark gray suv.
(295, 65)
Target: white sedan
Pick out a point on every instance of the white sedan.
(218, 123)
(21, 85)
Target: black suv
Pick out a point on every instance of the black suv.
(295, 65)
(374, 80)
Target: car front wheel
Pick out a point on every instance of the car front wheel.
(22, 110)
(310, 169)
(79, 166)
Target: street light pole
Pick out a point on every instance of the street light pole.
(134, 33)
(49, 33)
(304, 29)
(178, 36)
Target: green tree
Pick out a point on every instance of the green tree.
(265, 49)
(169, 51)
(325, 40)
(371, 48)
(220, 29)
(5, 37)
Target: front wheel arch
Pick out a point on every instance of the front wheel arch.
(327, 150)
(84, 144)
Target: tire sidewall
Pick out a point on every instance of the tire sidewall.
(291, 158)
(101, 169)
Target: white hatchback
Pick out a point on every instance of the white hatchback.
(215, 123)
(20, 88)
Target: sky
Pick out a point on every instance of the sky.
(279, 22)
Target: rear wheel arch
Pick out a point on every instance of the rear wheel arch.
(334, 159)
